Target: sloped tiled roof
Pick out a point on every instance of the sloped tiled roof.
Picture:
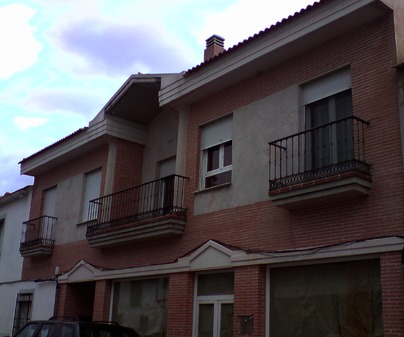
(9, 195)
(75, 133)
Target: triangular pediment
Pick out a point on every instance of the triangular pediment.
(211, 255)
(81, 272)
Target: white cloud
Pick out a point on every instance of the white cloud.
(26, 123)
(67, 71)
(239, 22)
(19, 47)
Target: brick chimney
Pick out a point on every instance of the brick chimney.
(214, 46)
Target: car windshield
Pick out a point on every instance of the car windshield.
(28, 330)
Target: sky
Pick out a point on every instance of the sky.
(62, 60)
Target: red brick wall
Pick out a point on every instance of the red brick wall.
(102, 300)
(76, 300)
(129, 159)
(84, 163)
(45, 267)
(262, 226)
(61, 300)
(370, 53)
(392, 290)
(249, 298)
(180, 305)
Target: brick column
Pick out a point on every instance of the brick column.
(180, 305)
(102, 300)
(249, 298)
(392, 294)
(61, 300)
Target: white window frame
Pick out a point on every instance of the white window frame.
(216, 133)
(216, 300)
(221, 169)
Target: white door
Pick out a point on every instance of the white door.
(214, 305)
(215, 318)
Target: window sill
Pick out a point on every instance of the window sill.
(214, 188)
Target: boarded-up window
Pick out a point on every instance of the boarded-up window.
(337, 299)
(142, 305)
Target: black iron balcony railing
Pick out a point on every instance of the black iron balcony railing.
(334, 148)
(38, 233)
(153, 199)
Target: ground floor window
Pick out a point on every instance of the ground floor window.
(22, 312)
(142, 305)
(337, 299)
(214, 305)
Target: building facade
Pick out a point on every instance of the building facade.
(21, 300)
(259, 193)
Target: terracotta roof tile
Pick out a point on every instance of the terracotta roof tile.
(260, 34)
(56, 143)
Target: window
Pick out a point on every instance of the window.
(2, 229)
(214, 305)
(142, 305)
(328, 106)
(217, 150)
(92, 186)
(337, 299)
(22, 311)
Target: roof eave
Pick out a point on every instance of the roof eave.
(82, 142)
(287, 39)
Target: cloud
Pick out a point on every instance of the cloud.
(239, 22)
(11, 180)
(122, 49)
(25, 123)
(20, 48)
(67, 100)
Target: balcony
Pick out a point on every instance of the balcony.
(325, 164)
(37, 237)
(151, 210)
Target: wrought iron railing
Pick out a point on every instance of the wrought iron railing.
(38, 232)
(320, 152)
(153, 199)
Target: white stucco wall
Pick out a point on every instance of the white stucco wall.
(254, 126)
(15, 210)
(42, 302)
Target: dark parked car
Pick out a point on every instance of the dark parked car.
(70, 328)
